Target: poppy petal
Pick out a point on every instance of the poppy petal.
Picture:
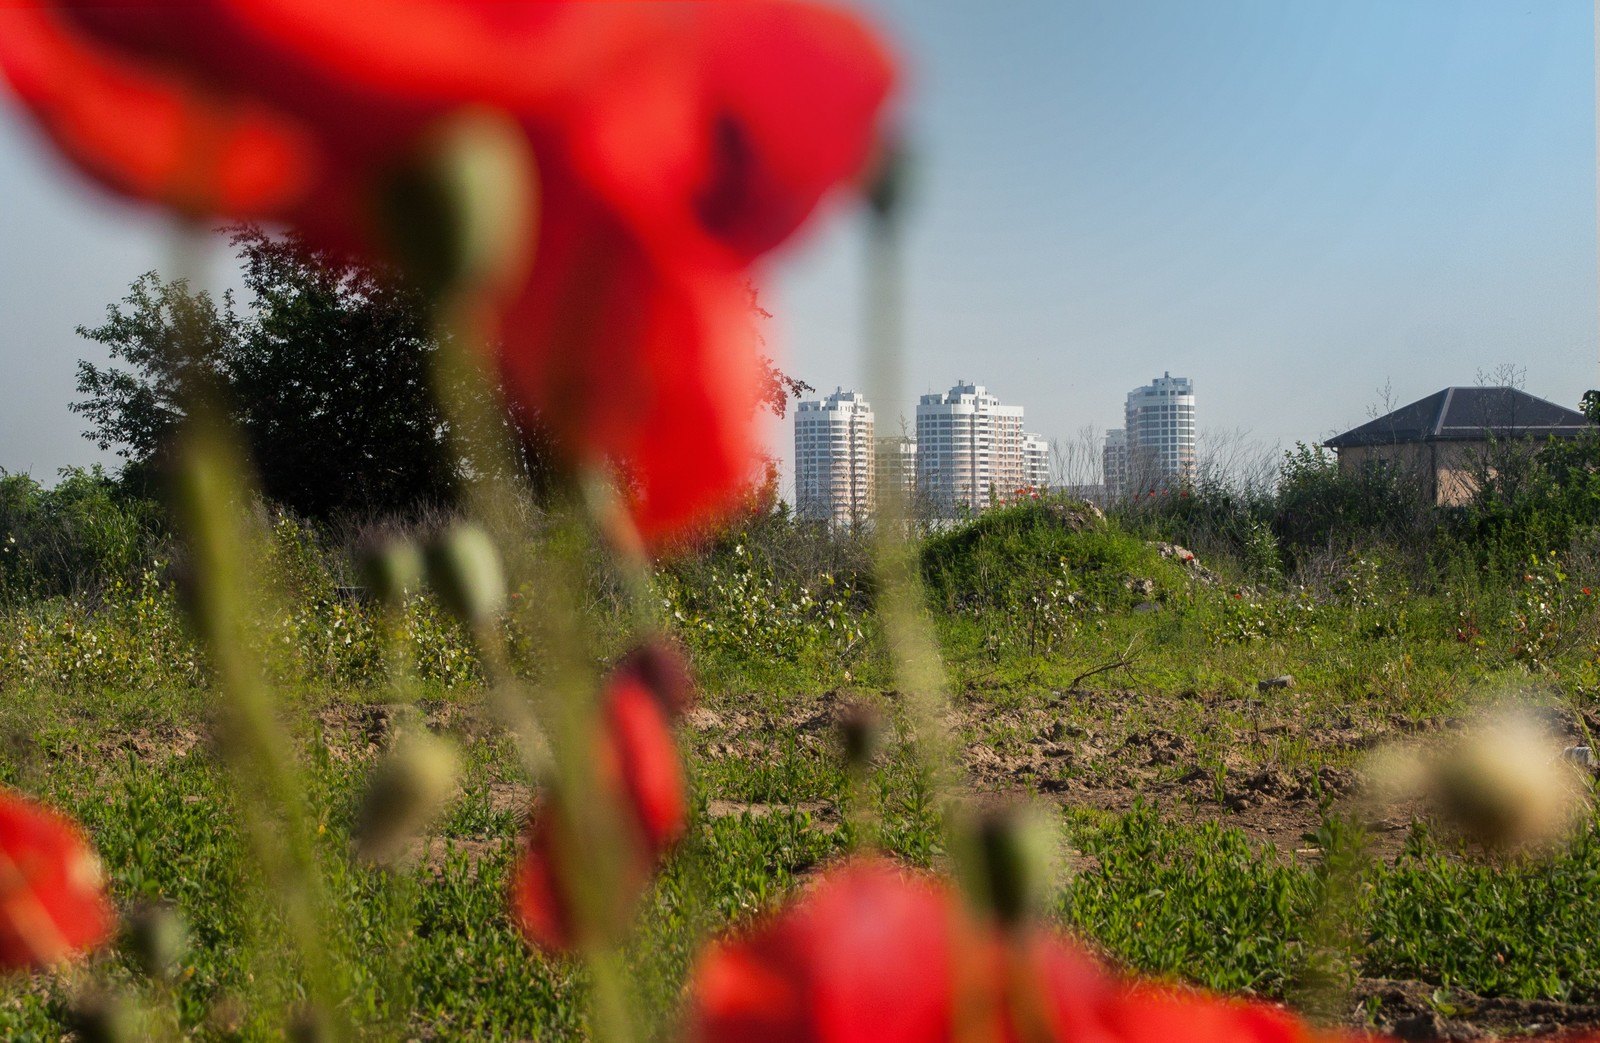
(148, 134)
(52, 893)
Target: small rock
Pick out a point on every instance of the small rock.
(1144, 608)
(1281, 681)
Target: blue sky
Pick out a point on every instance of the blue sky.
(1292, 203)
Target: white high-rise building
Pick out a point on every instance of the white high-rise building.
(834, 459)
(1160, 433)
(969, 450)
(897, 462)
(1114, 463)
(1036, 462)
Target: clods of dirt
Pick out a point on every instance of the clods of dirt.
(1414, 1010)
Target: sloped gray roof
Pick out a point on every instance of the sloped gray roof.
(1467, 414)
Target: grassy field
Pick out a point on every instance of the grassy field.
(1212, 829)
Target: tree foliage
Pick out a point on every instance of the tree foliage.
(326, 373)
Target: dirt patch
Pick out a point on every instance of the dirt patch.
(1414, 1010)
(510, 797)
(436, 851)
(824, 817)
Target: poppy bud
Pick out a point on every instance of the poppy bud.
(392, 570)
(1010, 862)
(310, 1024)
(157, 938)
(464, 569)
(1504, 786)
(461, 210)
(409, 788)
(860, 732)
(886, 189)
(103, 1017)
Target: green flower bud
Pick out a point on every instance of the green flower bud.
(157, 938)
(392, 570)
(461, 211)
(464, 569)
(1009, 861)
(409, 788)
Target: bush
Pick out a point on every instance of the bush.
(77, 538)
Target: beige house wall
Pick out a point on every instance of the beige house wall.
(1446, 472)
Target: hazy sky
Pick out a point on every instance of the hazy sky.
(1291, 203)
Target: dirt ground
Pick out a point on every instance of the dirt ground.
(1265, 769)
(1280, 768)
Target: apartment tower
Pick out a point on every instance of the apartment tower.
(1036, 462)
(970, 450)
(1114, 463)
(1160, 435)
(833, 459)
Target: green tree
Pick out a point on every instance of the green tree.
(327, 374)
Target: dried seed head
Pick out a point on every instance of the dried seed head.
(409, 788)
(464, 569)
(1506, 786)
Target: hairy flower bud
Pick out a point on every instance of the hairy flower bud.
(460, 212)
(393, 569)
(860, 733)
(157, 938)
(1009, 861)
(409, 788)
(104, 1017)
(464, 568)
(1506, 786)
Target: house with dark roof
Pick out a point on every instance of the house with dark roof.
(1452, 437)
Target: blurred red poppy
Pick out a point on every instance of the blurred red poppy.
(53, 902)
(675, 145)
(640, 782)
(874, 953)
(866, 955)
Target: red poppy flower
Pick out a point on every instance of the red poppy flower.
(873, 953)
(867, 955)
(675, 144)
(52, 894)
(641, 783)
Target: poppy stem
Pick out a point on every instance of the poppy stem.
(209, 492)
(913, 652)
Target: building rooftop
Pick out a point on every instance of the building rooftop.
(1467, 414)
